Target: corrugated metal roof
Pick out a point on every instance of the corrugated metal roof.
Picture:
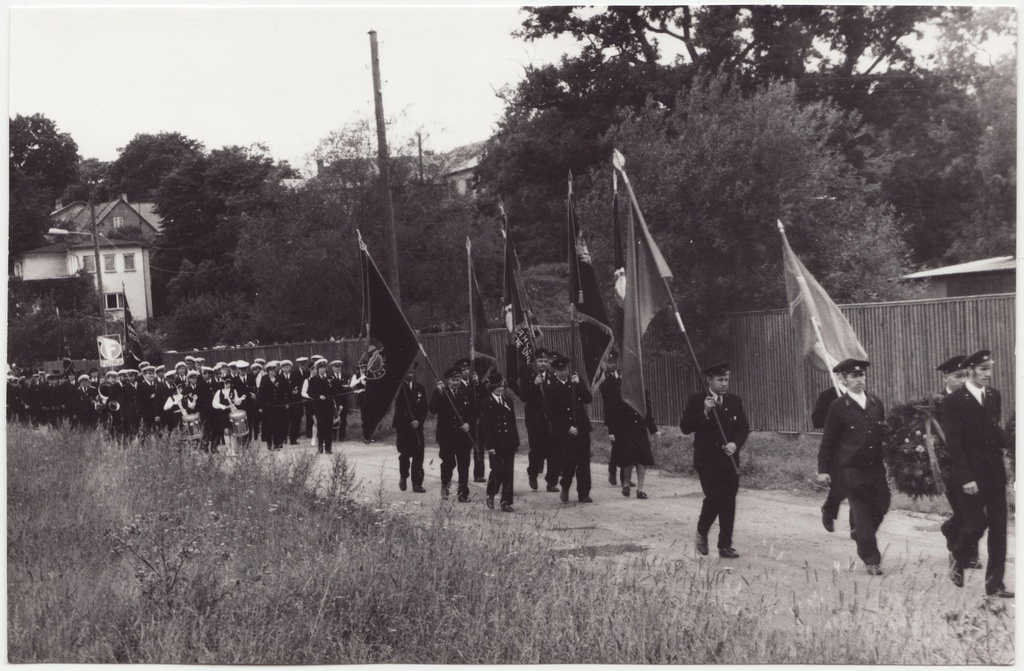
(980, 266)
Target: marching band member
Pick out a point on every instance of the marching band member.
(410, 413)
(499, 438)
(454, 416)
(317, 389)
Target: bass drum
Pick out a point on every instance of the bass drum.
(239, 424)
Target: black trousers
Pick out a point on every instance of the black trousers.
(275, 426)
(834, 499)
(478, 462)
(542, 448)
(952, 526)
(255, 419)
(575, 462)
(310, 414)
(501, 475)
(455, 457)
(868, 492)
(720, 482)
(410, 454)
(981, 511)
(324, 429)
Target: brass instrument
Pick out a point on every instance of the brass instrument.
(113, 406)
(337, 416)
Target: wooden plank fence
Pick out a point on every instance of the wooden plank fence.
(904, 340)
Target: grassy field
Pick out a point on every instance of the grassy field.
(149, 555)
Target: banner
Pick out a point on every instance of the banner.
(111, 353)
(133, 350)
(585, 297)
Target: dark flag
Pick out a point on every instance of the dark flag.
(826, 337)
(480, 350)
(516, 313)
(132, 345)
(585, 297)
(60, 336)
(646, 293)
(391, 346)
(619, 277)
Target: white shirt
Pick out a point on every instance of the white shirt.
(977, 392)
(500, 400)
(861, 398)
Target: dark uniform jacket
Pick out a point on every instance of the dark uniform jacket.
(83, 406)
(274, 394)
(449, 428)
(532, 396)
(622, 420)
(130, 408)
(497, 425)
(974, 439)
(707, 439)
(147, 399)
(295, 380)
(317, 387)
(853, 435)
(410, 406)
(560, 409)
(340, 391)
(821, 405)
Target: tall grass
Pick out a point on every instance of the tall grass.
(146, 554)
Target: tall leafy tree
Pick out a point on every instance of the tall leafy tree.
(146, 160)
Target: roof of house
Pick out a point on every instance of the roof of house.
(78, 214)
(463, 158)
(64, 247)
(981, 266)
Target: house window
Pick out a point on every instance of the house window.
(109, 264)
(129, 263)
(89, 263)
(115, 301)
(118, 222)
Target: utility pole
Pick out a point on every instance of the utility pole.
(385, 172)
(99, 270)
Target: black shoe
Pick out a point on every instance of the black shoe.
(444, 494)
(319, 451)
(586, 499)
(507, 508)
(463, 498)
(632, 484)
(701, 541)
(490, 502)
(975, 563)
(956, 572)
(553, 488)
(402, 484)
(419, 489)
(625, 491)
(1001, 593)
(480, 480)
(612, 480)
(728, 553)
(874, 569)
(564, 495)
(533, 482)
(293, 442)
(826, 521)
(641, 495)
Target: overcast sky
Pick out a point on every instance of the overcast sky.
(285, 77)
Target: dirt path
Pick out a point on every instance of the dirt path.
(785, 553)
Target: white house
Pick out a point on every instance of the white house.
(125, 270)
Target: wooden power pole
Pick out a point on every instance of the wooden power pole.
(385, 172)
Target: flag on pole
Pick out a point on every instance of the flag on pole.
(646, 293)
(516, 313)
(132, 345)
(391, 346)
(826, 337)
(585, 297)
(480, 350)
(619, 276)
(60, 335)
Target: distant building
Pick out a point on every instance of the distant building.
(114, 219)
(997, 275)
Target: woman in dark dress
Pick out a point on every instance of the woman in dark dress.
(632, 443)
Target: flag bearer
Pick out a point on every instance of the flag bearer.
(565, 404)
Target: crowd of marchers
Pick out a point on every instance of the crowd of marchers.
(475, 418)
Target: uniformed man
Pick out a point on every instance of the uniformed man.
(253, 378)
(274, 395)
(499, 439)
(83, 410)
(471, 383)
(296, 404)
(340, 393)
(303, 371)
(410, 414)
(317, 390)
(147, 398)
(851, 447)
(971, 419)
(131, 410)
(530, 389)
(455, 410)
(707, 416)
(190, 365)
(953, 378)
(565, 404)
(610, 389)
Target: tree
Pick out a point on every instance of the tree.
(43, 161)
(714, 174)
(146, 160)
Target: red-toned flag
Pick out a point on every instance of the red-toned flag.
(516, 313)
(132, 345)
(646, 293)
(480, 350)
(585, 297)
(392, 347)
(826, 337)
